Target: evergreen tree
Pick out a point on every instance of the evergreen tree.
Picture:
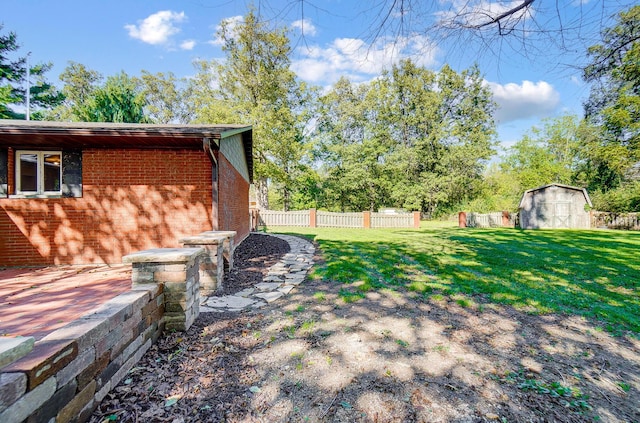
(13, 78)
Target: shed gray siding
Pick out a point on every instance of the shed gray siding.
(553, 207)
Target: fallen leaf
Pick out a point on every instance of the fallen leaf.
(172, 400)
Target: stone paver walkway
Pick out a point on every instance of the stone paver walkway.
(282, 277)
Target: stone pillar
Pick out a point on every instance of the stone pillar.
(416, 219)
(313, 218)
(462, 219)
(366, 217)
(211, 268)
(228, 247)
(176, 269)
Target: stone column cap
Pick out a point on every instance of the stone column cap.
(203, 239)
(228, 234)
(164, 255)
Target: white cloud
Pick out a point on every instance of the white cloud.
(187, 44)
(522, 101)
(157, 28)
(231, 25)
(357, 60)
(305, 26)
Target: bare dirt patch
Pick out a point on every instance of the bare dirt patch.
(390, 357)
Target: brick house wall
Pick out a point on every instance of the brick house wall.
(132, 199)
(233, 200)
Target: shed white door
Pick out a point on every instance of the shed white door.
(562, 215)
(554, 214)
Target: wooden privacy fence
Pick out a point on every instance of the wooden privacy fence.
(487, 220)
(601, 220)
(628, 221)
(313, 218)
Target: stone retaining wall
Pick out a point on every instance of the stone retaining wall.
(65, 375)
(72, 369)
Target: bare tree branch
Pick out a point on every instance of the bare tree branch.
(524, 5)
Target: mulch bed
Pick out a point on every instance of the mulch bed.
(252, 259)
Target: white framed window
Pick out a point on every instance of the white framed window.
(38, 172)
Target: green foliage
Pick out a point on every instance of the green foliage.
(614, 102)
(254, 85)
(412, 139)
(164, 98)
(625, 198)
(118, 99)
(13, 74)
(550, 154)
(500, 190)
(79, 86)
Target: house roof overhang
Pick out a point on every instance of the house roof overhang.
(43, 135)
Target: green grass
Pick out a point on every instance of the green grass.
(595, 274)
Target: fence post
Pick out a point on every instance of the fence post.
(462, 219)
(416, 219)
(367, 219)
(313, 221)
(505, 219)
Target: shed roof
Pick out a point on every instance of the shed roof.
(42, 134)
(583, 190)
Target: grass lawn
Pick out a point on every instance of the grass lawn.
(591, 273)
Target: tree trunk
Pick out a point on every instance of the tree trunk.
(262, 194)
(286, 199)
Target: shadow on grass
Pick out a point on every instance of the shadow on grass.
(594, 274)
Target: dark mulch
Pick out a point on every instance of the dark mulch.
(252, 259)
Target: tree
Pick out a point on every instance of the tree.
(13, 76)
(411, 138)
(446, 127)
(118, 99)
(347, 149)
(255, 85)
(548, 154)
(79, 86)
(164, 98)
(614, 102)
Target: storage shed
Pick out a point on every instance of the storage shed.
(555, 206)
(80, 193)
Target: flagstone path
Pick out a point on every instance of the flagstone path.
(281, 278)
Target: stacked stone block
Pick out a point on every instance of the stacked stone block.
(211, 270)
(228, 247)
(68, 372)
(177, 270)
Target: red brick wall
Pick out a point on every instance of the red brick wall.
(233, 200)
(132, 200)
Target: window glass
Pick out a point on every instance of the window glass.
(51, 172)
(28, 172)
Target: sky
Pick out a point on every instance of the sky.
(531, 76)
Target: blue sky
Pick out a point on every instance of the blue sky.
(530, 78)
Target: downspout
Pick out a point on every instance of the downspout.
(211, 147)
